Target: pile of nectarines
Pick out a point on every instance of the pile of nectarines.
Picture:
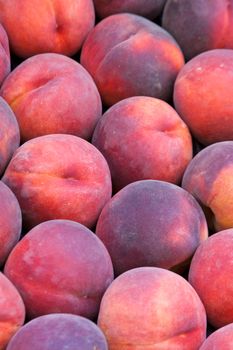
(116, 165)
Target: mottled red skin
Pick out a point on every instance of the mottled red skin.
(151, 223)
(59, 177)
(12, 311)
(210, 275)
(59, 331)
(199, 25)
(128, 55)
(203, 94)
(152, 308)
(58, 26)
(52, 94)
(143, 138)
(5, 60)
(208, 177)
(10, 221)
(149, 9)
(60, 266)
(9, 134)
(220, 339)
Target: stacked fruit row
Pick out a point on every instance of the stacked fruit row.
(116, 160)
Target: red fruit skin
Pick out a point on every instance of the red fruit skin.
(220, 339)
(51, 94)
(151, 223)
(152, 308)
(9, 134)
(135, 58)
(5, 58)
(202, 96)
(149, 9)
(58, 26)
(59, 331)
(209, 274)
(12, 311)
(59, 177)
(208, 177)
(10, 222)
(143, 138)
(206, 24)
(60, 266)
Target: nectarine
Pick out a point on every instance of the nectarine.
(143, 138)
(36, 26)
(52, 94)
(128, 55)
(60, 332)
(59, 177)
(203, 96)
(60, 266)
(151, 308)
(151, 223)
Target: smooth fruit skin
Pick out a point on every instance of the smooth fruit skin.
(5, 59)
(210, 275)
(143, 138)
(52, 94)
(12, 311)
(59, 331)
(128, 55)
(9, 134)
(149, 9)
(151, 223)
(60, 266)
(203, 93)
(59, 177)
(58, 26)
(199, 25)
(152, 308)
(208, 177)
(220, 339)
(10, 222)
